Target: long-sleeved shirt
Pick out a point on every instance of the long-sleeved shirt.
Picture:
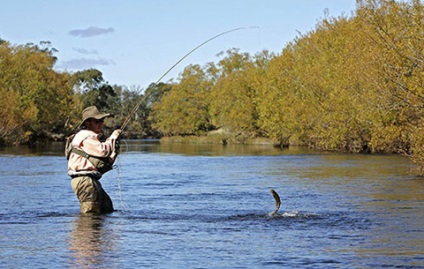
(88, 141)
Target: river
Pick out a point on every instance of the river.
(206, 206)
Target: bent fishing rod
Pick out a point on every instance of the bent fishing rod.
(124, 125)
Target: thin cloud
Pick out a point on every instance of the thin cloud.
(83, 63)
(91, 31)
(86, 51)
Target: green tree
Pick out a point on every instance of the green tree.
(234, 95)
(184, 109)
(133, 99)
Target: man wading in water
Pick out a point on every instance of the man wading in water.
(89, 159)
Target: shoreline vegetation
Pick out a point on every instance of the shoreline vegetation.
(220, 137)
(352, 84)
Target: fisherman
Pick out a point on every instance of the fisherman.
(89, 159)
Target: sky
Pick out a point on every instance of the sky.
(134, 42)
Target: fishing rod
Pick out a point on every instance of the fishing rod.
(124, 125)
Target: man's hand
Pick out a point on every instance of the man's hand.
(116, 133)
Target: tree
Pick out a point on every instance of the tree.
(234, 95)
(184, 109)
(40, 95)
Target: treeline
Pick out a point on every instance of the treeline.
(38, 103)
(354, 83)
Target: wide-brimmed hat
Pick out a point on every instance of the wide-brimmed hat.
(92, 112)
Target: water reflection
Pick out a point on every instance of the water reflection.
(89, 241)
(154, 146)
(43, 149)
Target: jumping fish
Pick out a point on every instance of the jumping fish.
(277, 202)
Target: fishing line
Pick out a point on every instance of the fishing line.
(119, 186)
(124, 125)
(119, 173)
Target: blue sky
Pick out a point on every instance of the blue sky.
(134, 42)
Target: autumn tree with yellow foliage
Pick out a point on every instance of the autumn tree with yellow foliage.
(32, 94)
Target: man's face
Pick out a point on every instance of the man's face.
(95, 125)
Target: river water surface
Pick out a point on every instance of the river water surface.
(203, 206)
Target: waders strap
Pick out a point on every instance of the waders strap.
(101, 164)
(80, 152)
